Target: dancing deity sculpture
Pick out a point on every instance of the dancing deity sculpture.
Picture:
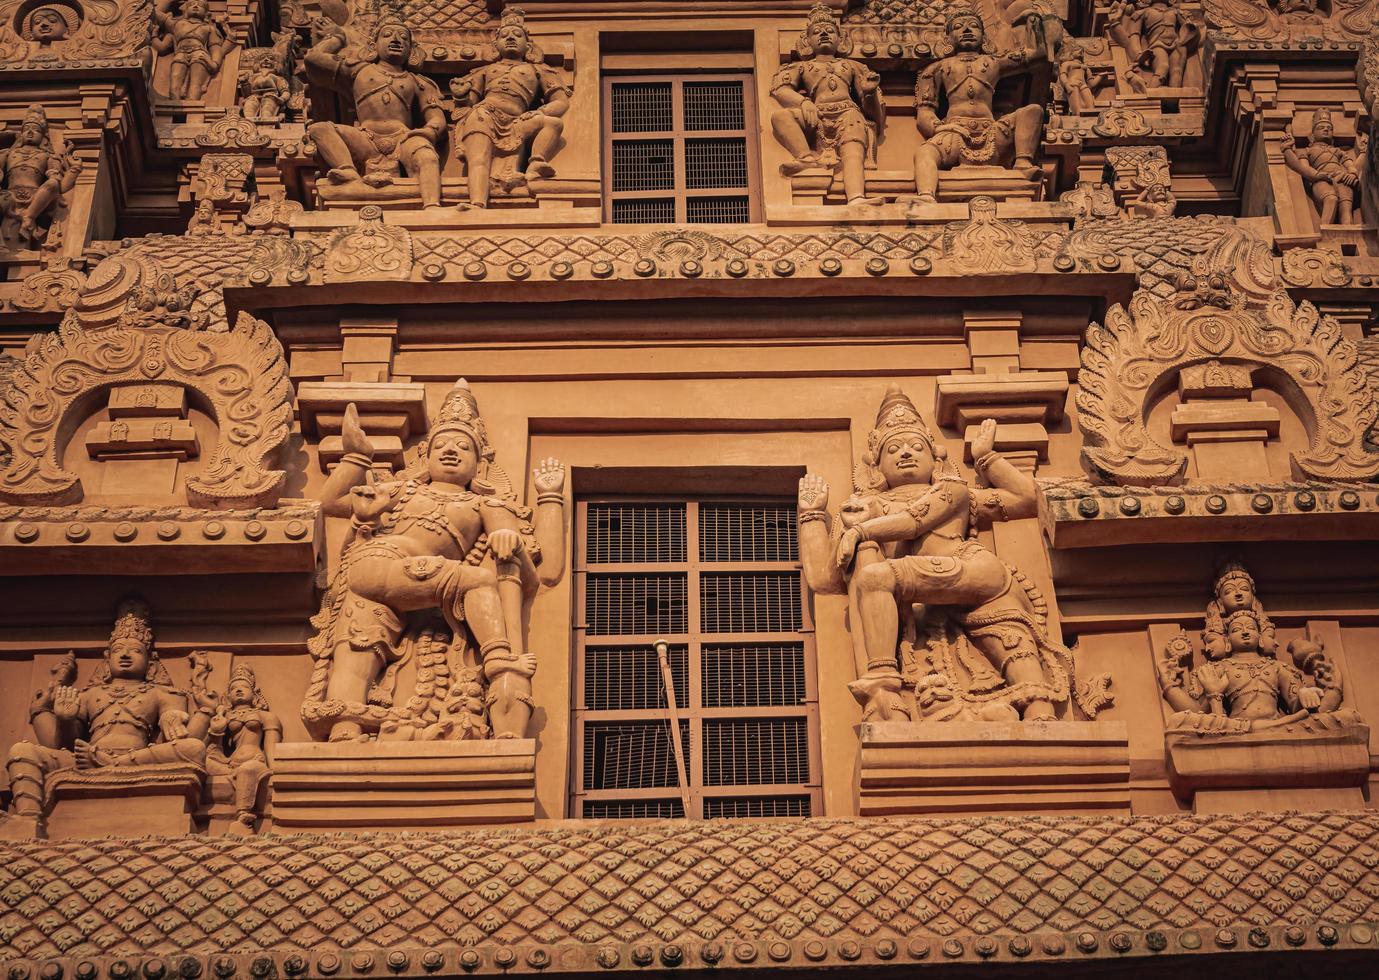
(450, 537)
(970, 132)
(128, 715)
(388, 100)
(919, 582)
(502, 107)
(832, 113)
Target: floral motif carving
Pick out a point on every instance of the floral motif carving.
(232, 130)
(240, 373)
(1126, 361)
(986, 245)
(369, 250)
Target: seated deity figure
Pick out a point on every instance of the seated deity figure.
(243, 732)
(832, 113)
(129, 715)
(197, 42)
(970, 132)
(1164, 37)
(502, 107)
(1241, 685)
(922, 589)
(1331, 172)
(449, 537)
(388, 100)
(267, 78)
(37, 175)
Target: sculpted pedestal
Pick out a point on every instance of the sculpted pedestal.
(131, 801)
(327, 786)
(956, 767)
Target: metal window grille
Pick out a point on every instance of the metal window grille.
(748, 532)
(750, 602)
(757, 675)
(636, 532)
(674, 146)
(629, 678)
(737, 808)
(636, 810)
(720, 582)
(755, 751)
(621, 605)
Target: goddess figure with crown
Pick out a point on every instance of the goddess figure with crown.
(929, 606)
(448, 538)
(243, 732)
(128, 715)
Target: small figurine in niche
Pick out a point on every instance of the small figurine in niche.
(925, 595)
(197, 41)
(1077, 79)
(387, 99)
(128, 715)
(244, 724)
(267, 78)
(1166, 37)
(1297, 11)
(832, 113)
(1331, 172)
(1123, 25)
(514, 102)
(37, 175)
(1155, 201)
(969, 132)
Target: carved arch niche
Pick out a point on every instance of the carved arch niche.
(148, 368)
(1218, 352)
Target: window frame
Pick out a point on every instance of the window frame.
(695, 639)
(678, 134)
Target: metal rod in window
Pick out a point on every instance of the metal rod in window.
(668, 680)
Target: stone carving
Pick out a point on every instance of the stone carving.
(832, 114)
(273, 214)
(1033, 876)
(38, 172)
(1331, 172)
(54, 287)
(369, 250)
(399, 113)
(1128, 359)
(242, 734)
(75, 31)
(197, 42)
(231, 130)
(908, 559)
(222, 177)
(986, 245)
(268, 79)
(969, 132)
(509, 107)
(451, 540)
(1240, 685)
(1091, 200)
(239, 373)
(1158, 39)
(127, 719)
(1077, 79)
(1289, 19)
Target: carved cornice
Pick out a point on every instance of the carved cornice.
(600, 897)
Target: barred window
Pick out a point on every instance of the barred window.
(680, 150)
(719, 581)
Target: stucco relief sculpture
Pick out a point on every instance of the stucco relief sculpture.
(399, 114)
(268, 82)
(39, 171)
(1158, 39)
(1241, 686)
(968, 131)
(444, 557)
(196, 41)
(127, 721)
(242, 734)
(1331, 172)
(507, 109)
(930, 609)
(832, 114)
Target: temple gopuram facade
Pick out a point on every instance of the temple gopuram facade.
(678, 487)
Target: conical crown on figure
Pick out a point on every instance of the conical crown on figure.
(821, 14)
(1321, 119)
(1233, 571)
(896, 414)
(245, 673)
(132, 622)
(460, 413)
